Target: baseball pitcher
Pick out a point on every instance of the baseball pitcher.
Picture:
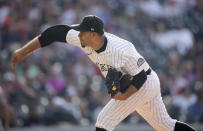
(130, 81)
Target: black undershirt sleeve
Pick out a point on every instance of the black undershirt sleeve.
(139, 79)
(53, 34)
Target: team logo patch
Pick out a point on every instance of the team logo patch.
(140, 62)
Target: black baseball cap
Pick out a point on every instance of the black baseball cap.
(90, 23)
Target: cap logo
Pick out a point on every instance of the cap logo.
(92, 29)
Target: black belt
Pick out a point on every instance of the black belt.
(148, 72)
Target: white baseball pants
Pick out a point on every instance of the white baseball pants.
(147, 101)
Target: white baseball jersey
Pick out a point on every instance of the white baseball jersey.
(147, 101)
(119, 54)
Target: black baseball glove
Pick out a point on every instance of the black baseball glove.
(116, 82)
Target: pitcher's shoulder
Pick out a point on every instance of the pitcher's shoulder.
(117, 43)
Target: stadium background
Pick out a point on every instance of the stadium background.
(58, 88)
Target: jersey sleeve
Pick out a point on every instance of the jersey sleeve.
(135, 63)
(72, 38)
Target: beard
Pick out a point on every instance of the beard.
(82, 44)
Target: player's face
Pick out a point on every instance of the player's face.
(85, 38)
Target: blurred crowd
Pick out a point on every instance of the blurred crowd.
(60, 84)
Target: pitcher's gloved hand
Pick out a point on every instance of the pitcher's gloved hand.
(116, 82)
